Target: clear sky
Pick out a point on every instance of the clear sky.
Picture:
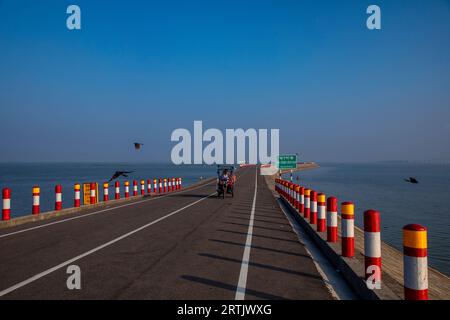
(140, 69)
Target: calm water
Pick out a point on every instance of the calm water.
(20, 178)
(381, 187)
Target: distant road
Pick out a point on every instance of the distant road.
(187, 245)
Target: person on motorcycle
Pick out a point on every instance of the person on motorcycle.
(224, 178)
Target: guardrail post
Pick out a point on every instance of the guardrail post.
(135, 191)
(332, 207)
(348, 229)
(415, 262)
(6, 210)
(77, 196)
(117, 189)
(313, 205)
(105, 191)
(93, 194)
(58, 197)
(372, 247)
(36, 209)
(307, 209)
(321, 213)
(127, 189)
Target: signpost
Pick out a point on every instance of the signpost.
(287, 161)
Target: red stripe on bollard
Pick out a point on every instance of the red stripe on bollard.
(155, 185)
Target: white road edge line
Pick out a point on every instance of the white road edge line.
(97, 212)
(333, 280)
(242, 283)
(63, 264)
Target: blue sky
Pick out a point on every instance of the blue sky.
(140, 69)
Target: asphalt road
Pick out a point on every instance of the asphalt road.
(187, 245)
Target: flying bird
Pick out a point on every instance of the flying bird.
(138, 145)
(412, 180)
(120, 173)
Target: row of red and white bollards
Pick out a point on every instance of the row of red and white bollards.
(171, 184)
(313, 207)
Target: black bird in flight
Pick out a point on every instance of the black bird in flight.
(120, 173)
(138, 145)
(412, 180)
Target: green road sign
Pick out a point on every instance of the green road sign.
(287, 161)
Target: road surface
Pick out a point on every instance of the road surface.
(187, 245)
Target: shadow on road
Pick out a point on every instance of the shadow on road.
(229, 287)
(264, 266)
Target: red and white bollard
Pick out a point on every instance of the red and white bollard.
(6, 210)
(105, 191)
(93, 194)
(302, 200)
(160, 185)
(155, 185)
(321, 213)
(36, 209)
(169, 185)
(180, 183)
(289, 190)
(332, 227)
(313, 209)
(415, 262)
(117, 189)
(127, 189)
(292, 194)
(149, 186)
(58, 197)
(77, 196)
(135, 188)
(173, 184)
(297, 197)
(142, 187)
(348, 229)
(307, 208)
(165, 185)
(372, 247)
